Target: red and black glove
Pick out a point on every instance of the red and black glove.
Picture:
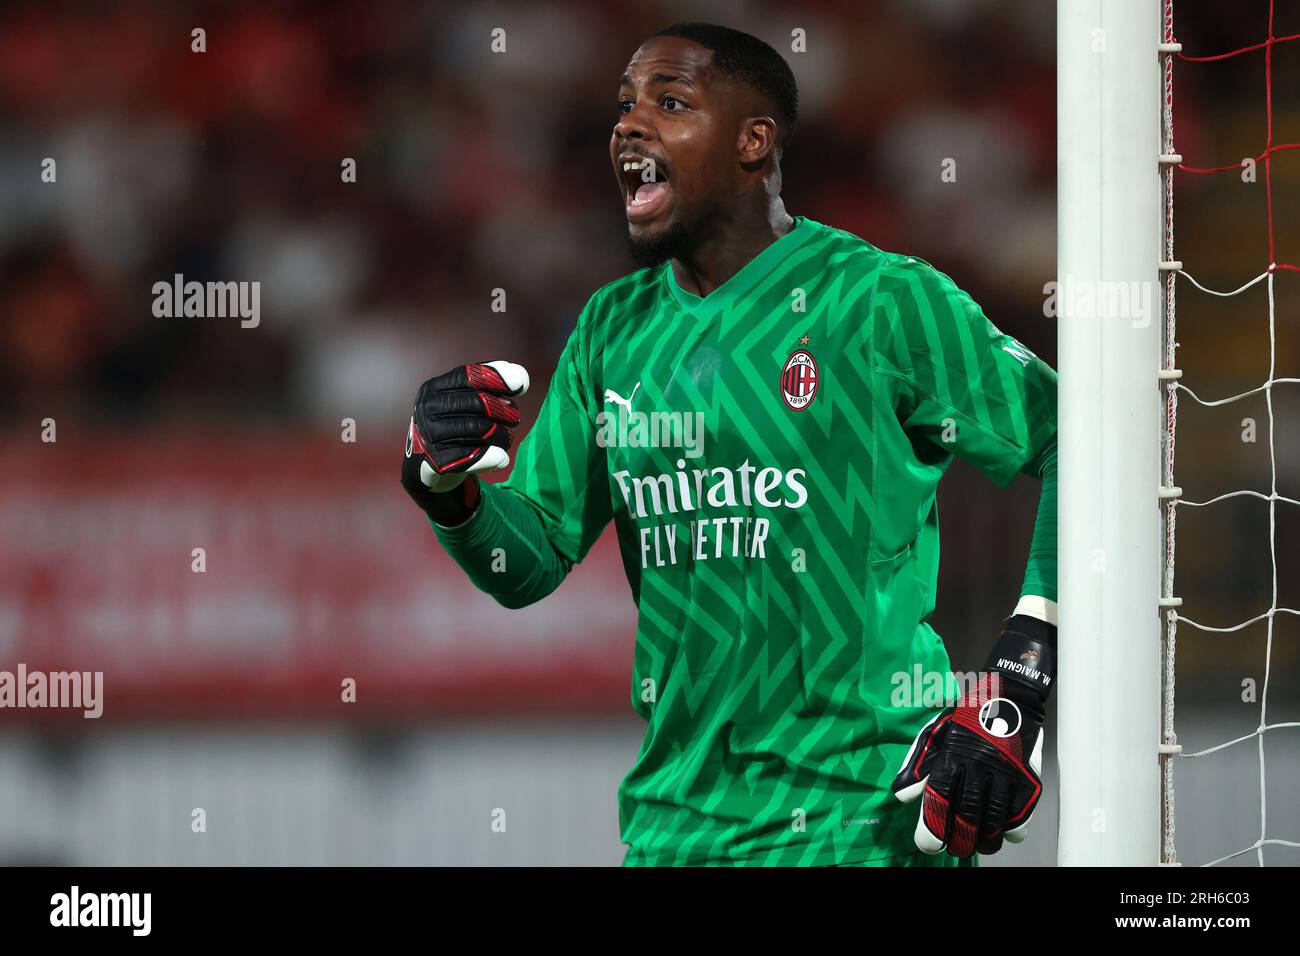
(460, 425)
(976, 766)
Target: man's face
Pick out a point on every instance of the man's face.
(674, 146)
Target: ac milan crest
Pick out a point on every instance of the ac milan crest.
(799, 380)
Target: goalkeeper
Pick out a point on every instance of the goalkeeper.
(783, 556)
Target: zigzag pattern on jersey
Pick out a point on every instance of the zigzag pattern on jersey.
(762, 711)
(763, 347)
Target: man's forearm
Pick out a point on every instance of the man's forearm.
(1040, 574)
(504, 549)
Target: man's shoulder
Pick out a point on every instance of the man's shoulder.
(901, 272)
(838, 249)
(844, 251)
(902, 287)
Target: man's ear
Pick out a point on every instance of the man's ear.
(757, 140)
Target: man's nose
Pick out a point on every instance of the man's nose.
(632, 124)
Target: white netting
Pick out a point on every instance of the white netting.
(1171, 375)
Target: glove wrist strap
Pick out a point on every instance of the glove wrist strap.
(1024, 659)
(449, 509)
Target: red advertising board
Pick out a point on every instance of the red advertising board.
(316, 568)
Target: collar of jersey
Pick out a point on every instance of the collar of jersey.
(749, 274)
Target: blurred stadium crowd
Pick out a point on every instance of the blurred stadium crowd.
(481, 170)
(475, 171)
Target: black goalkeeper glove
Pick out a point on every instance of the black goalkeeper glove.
(460, 426)
(976, 766)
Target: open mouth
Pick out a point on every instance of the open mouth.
(645, 186)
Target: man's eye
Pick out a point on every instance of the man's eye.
(672, 104)
(625, 106)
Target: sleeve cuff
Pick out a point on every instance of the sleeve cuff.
(481, 523)
(1041, 608)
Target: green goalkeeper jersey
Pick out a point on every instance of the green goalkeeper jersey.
(769, 455)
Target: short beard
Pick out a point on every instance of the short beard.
(652, 250)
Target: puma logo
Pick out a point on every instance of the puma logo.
(617, 399)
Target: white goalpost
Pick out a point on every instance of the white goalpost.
(1109, 332)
